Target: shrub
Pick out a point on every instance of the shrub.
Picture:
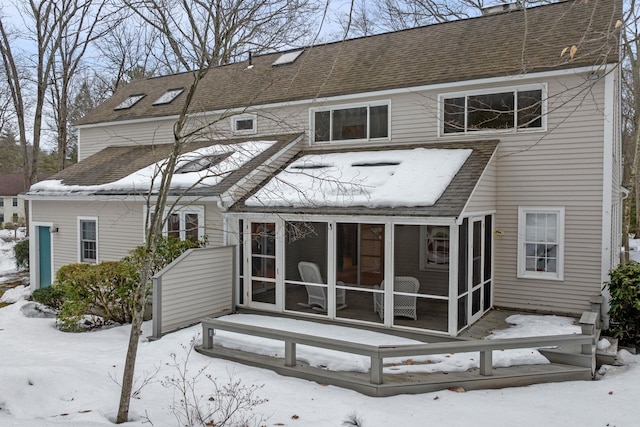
(105, 290)
(108, 289)
(624, 287)
(51, 296)
(21, 252)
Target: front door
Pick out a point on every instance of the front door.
(44, 256)
(263, 264)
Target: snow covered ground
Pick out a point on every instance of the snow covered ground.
(7, 260)
(50, 378)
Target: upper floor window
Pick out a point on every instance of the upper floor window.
(15, 201)
(541, 242)
(359, 122)
(1, 201)
(244, 124)
(496, 110)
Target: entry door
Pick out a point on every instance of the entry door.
(263, 264)
(479, 266)
(44, 256)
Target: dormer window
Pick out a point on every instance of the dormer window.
(130, 101)
(168, 96)
(244, 124)
(287, 58)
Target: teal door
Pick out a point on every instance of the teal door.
(44, 256)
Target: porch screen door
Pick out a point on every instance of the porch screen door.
(263, 263)
(480, 266)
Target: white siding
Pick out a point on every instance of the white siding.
(484, 196)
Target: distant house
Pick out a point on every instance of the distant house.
(439, 171)
(11, 209)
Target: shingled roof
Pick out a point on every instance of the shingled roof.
(511, 43)
(450, 204)
(114, 163)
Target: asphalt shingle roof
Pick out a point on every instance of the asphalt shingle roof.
(511, 43)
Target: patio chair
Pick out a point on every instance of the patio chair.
(310, 273)
(403, 305)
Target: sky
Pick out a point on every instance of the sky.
(51, 378)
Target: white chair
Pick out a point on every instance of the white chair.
(310, 273)
(403, 305)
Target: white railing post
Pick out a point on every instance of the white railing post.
(486, 362)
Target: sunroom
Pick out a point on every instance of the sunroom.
(396, 238)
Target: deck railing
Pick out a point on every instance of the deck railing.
(378, 353)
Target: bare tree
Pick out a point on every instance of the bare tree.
(85, 21)
(198, 35)
(195, 32)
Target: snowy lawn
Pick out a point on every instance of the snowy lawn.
(49, 378)
(7, 259)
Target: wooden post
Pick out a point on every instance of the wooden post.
(376, 369)
(289, 353)
(207, 336)
(588, 323)
(486, 362)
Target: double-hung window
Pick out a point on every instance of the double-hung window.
(366, 121)
(541, 242)
(88, 239)
(15, 202)
(185, 222)
(516, 109)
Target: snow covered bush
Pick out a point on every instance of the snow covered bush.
(21, 252)
(624, 287)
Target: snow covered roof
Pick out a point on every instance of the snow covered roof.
(210, 167)
(434, 179)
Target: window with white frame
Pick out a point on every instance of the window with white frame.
(15, 202)
(541, 242)
(368, 121)
(510, 109)
(88, 239)
(185, 222)
(434, 249)
(244, 124)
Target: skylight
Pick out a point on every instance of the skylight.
(168, 96)
(202, 163)
(287, 58)
(129, 102)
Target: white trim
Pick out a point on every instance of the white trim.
(241, 117)
(543, 87)
(522, 273)
(79, 220)
(381, 93)
(368, 219)
(607, 176)
(333, 107)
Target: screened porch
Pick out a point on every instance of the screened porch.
(441, 271)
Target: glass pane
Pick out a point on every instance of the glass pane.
(462, 312)
(322, 125)
(191, 226)
(88, 230)
(454, 115)
(463, 246)
(530, 109)
(475, 300)
(378, 121)
(305, 242)
(263, 238)
(244, 124)
(488, 236)
(490, 111)
(263, 291)
(487, 296)
(477, 253)
(349, 123)
(173, 225)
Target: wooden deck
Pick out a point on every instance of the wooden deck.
(575, 362)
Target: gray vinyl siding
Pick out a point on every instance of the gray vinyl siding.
(197, 285)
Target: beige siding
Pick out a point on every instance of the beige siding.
(197, 285)
(95, 138)
(484, 195)
(120, 227)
